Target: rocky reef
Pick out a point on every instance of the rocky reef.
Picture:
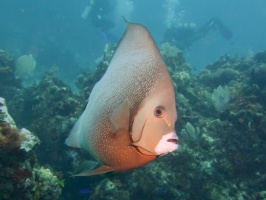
(221, 130)
(221, 154)
(9, 82)
(21, 177)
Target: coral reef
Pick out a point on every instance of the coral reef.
(222, 147)
(52, 110)
(221, 98)
(48, 186)
(86, 80)
(25, 64)
(258, 75)
(4, 115)
(20, 177)
(221, 156)
(8, 82)
(190, 133)
(10, 137)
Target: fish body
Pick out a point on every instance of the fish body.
(129, 119)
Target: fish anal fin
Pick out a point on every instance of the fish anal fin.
(100, 170)
(119, 118)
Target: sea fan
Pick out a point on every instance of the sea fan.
(221, 98)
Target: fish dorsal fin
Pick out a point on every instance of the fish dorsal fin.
(119, 118)
(136, 39)
(100, 170)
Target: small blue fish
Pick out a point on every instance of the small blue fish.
(160, 191)
(85, 191)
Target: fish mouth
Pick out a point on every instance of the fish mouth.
(173, 140)
(167, 144)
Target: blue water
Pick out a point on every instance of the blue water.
(57, 35)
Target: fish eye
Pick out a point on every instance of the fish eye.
(159, 112)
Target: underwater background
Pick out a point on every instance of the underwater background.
(53, 52)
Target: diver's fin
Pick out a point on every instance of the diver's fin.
(101, 170)
(119, 118)
(225, 32)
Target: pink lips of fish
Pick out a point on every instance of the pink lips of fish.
(130, 116)
(168, 143)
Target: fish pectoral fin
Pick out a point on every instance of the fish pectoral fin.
(100, 170)
(119, 118)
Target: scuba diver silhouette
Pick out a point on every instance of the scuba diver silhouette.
(96, 12)
(185, 35)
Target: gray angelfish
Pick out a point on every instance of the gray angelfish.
(130, 116)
